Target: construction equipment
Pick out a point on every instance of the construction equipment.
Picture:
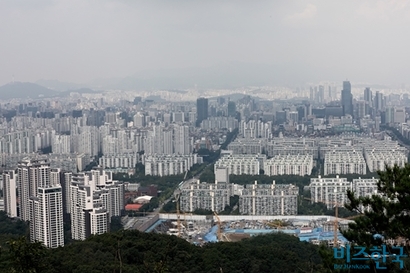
(353, 217)
(177, 195)
(336, 223)
(219, 227)
(276, 224)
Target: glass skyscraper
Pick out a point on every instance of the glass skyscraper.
(347, 99)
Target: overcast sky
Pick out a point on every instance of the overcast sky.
(80, 41)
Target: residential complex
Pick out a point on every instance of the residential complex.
(46, 144)
(333, 191)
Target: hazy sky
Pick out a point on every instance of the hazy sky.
(79, 40)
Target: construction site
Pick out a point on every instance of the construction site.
(201, 229)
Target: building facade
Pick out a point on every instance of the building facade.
(273, 199)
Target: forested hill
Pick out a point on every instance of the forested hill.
(132, 251)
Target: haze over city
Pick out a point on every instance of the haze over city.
(209, 43)
(204, 136)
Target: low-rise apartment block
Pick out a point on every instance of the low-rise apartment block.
(162, 165)
(333, 191)
(338, 162)
(376, 159)
(209, 196)
(289, 165)
(273, 199)
(241, 164)
(330, 191)
(247, 146)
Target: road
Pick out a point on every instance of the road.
(182, 185)
(393, 136)
(136, 223)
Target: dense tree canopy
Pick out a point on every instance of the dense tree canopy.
(132, 251)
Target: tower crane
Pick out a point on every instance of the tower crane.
(177, 195)
(336, 223)
(219, 227)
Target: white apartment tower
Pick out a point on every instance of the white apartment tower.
(61, 144)
(181, 140)
(95, 198)
(41, 201)
(46, 216)
(10, 193)
(32, 174)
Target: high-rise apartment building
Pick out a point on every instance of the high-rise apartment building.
(61, 144)
(10, 193)
(32, 174)
(201, 110)
(347, 99)
(95, 198)
(46, 216)
(41, 201)
(182, 145)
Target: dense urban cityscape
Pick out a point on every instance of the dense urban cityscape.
(204, 136)
(64, 159)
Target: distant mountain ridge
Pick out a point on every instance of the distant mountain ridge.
(22, 90)
(59, 86)
(80, 91)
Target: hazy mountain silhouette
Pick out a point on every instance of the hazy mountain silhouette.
(19, 90)
(229, 75)
(59, 86)
(80, 91)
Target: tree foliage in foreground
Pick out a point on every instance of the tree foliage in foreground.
(389, 209)
(133, 251)
(387, 213)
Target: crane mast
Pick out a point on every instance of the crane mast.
(219, 227)
(177, 195)
(335, 223)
